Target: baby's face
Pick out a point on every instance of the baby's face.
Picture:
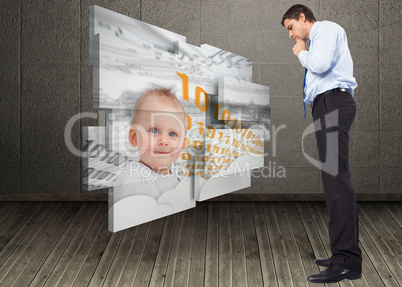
(159, 134)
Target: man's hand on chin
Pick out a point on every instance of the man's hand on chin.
(299, 46)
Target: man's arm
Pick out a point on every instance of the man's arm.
(318, 59)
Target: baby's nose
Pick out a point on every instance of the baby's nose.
(163, 141)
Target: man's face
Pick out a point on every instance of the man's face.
(159, 135)
(297, 29)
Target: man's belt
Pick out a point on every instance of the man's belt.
(344, 90)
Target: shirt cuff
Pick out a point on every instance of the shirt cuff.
(303, 57)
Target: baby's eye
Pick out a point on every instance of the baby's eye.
(153, 131)
(173, 134)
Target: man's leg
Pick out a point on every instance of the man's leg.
(343, 225)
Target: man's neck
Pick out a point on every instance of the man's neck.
(309, 26)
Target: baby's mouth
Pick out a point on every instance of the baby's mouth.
(161, 152)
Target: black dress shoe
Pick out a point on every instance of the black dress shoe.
(333, 274)
(323, 262)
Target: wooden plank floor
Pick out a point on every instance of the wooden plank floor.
(215, 244)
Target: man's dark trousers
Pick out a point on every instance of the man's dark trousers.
(333, 115)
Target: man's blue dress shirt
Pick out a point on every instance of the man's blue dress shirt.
(328, 60)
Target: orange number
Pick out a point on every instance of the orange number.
(198, 91)
(184, 77)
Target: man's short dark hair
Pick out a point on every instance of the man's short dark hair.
(294, 13)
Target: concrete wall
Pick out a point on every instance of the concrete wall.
(45, 79)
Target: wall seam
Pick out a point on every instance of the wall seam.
(20, 99)
(199, 39)
(259, 46)
(379, 94)
(80, 93)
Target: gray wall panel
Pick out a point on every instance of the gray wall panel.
(182, 17)
(50, 31)
(50, 180)
(9, 148)
(47, 113)
(391, 149)
(9, 31)
(391, 114)
(366, 180)
(48, 149)
(10, 180)
(10, 112)
(391, 180)
(367, 114)
(56, 80)
(367, 80)
(363, 149)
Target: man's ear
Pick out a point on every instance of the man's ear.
(302, 17)
(132, 137)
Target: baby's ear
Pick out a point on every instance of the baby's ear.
(132, 137)
(186, 143)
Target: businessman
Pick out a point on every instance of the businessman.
(328, 86)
